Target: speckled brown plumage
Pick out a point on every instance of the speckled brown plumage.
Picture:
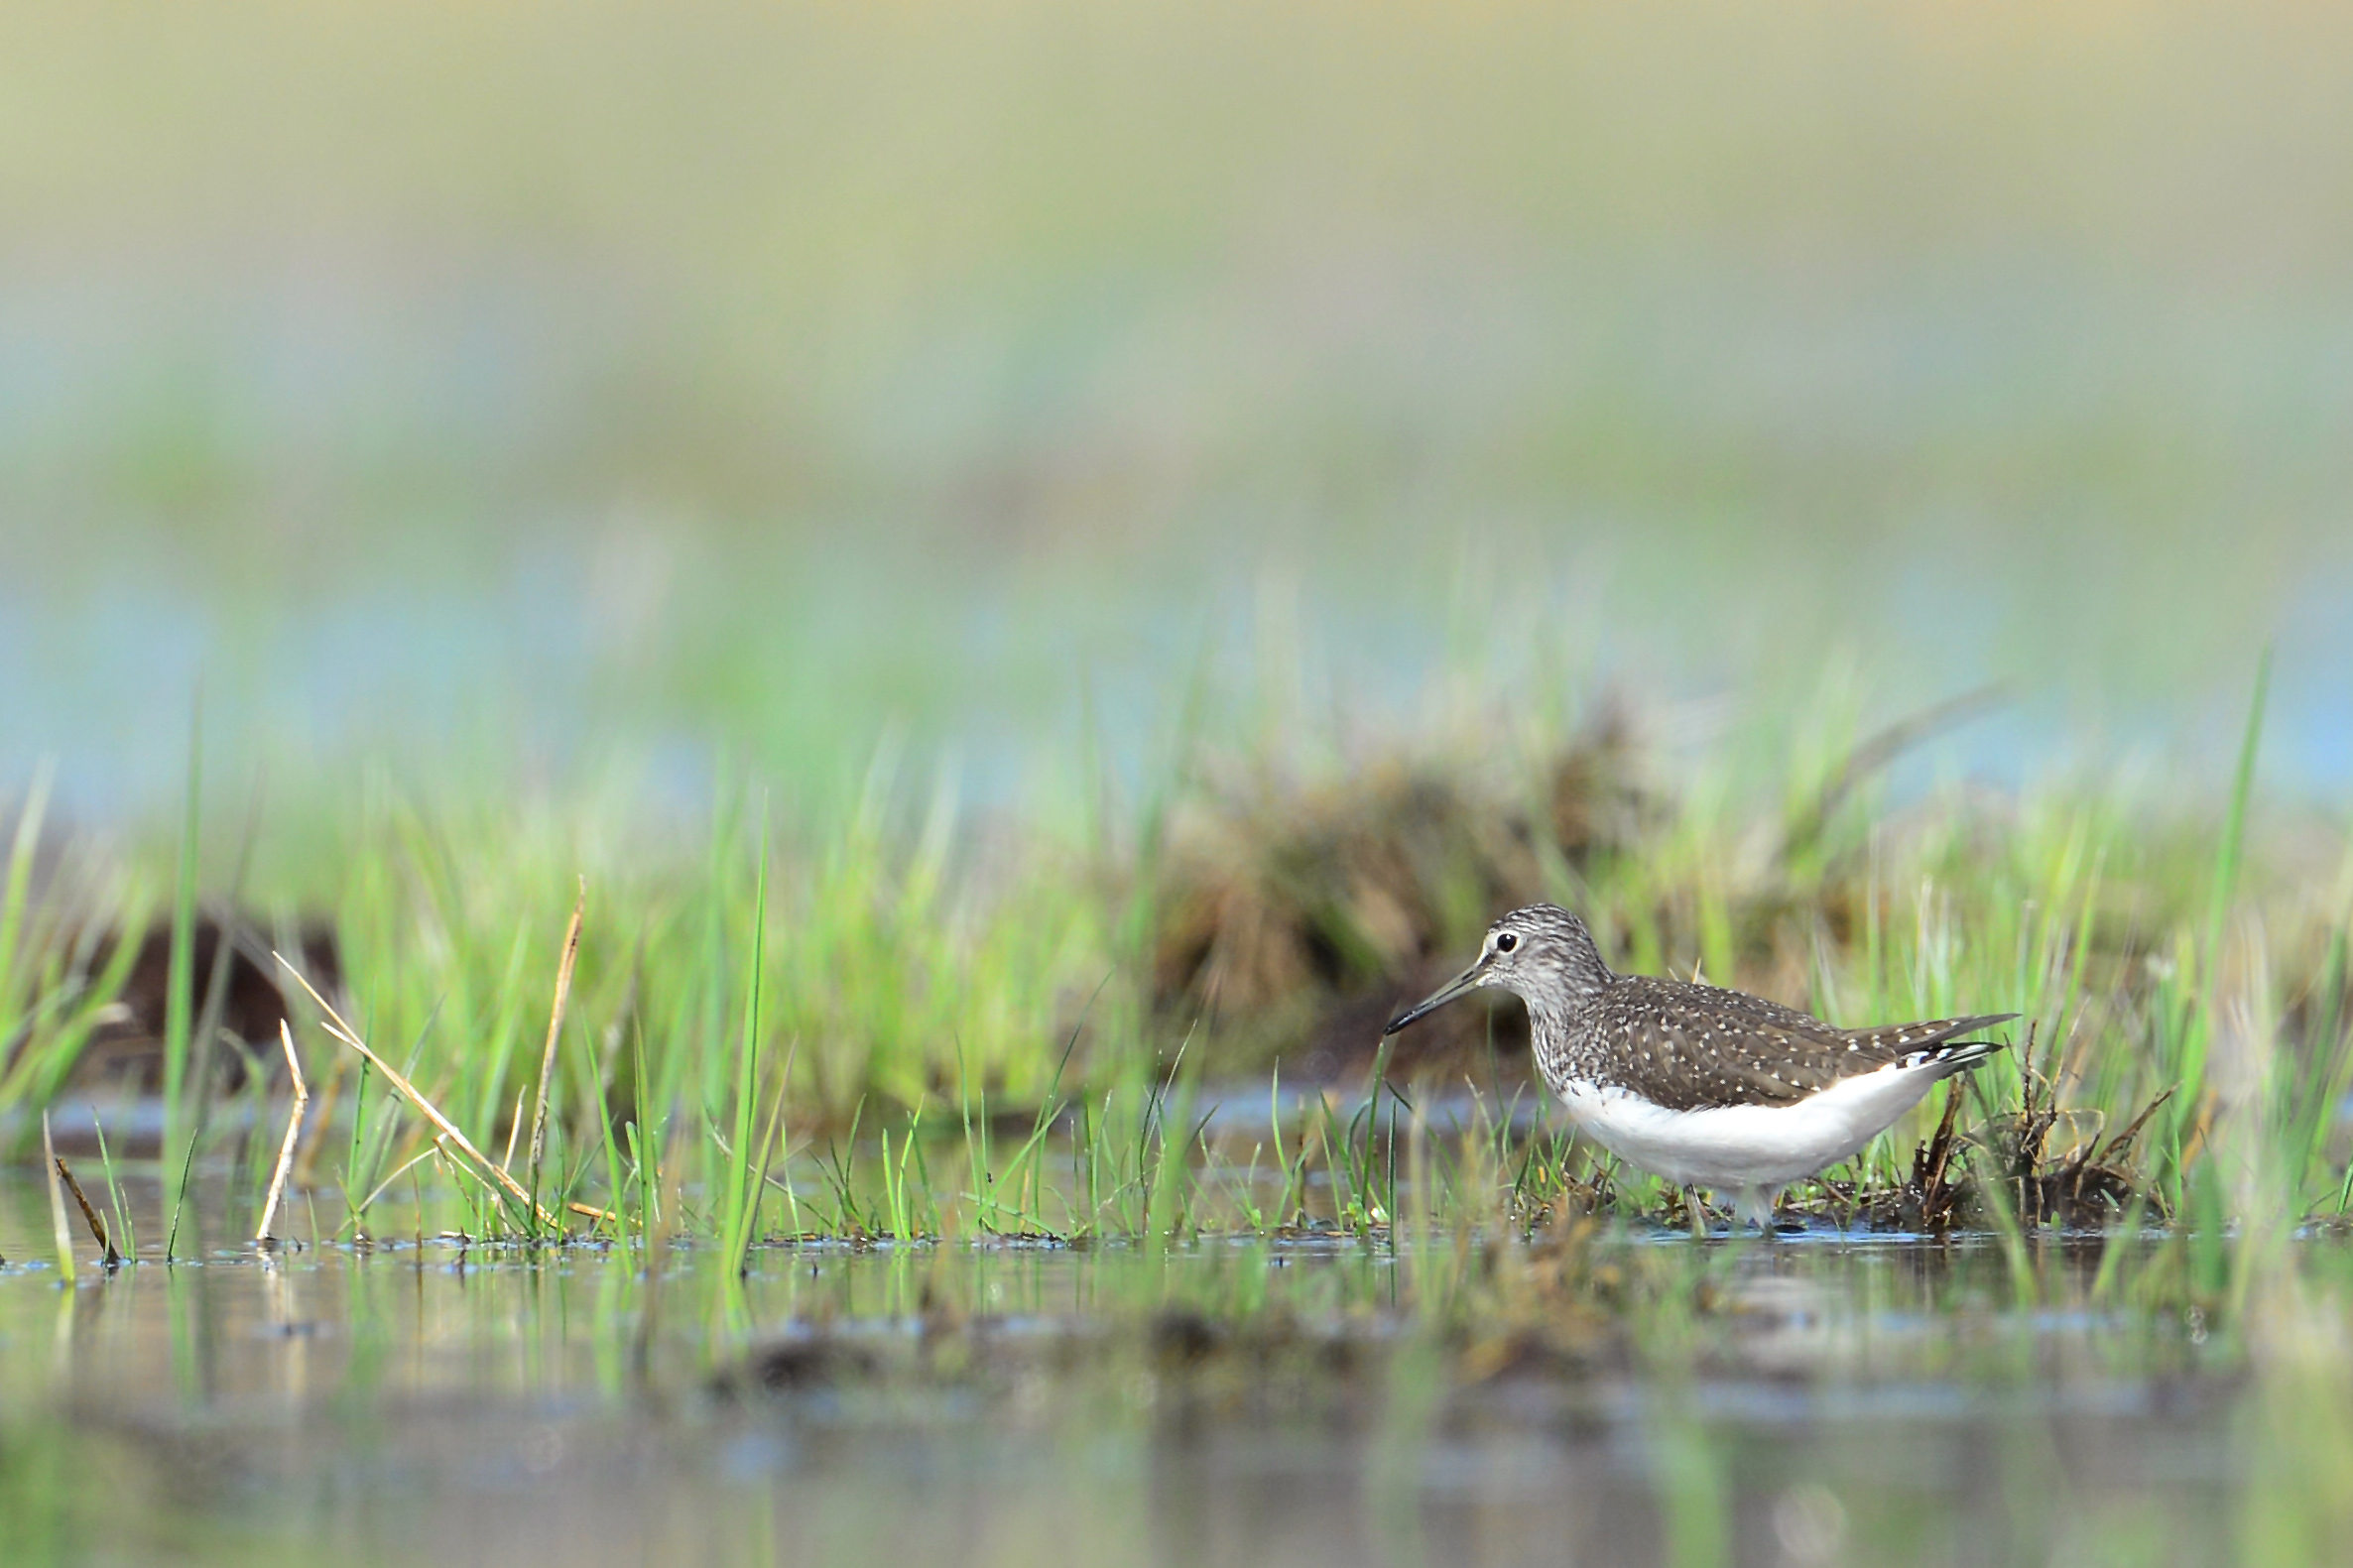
(1680, 1045)
(1686, 1047)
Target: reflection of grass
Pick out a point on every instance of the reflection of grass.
(1630, 1362)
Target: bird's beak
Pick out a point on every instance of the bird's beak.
(1461, 984)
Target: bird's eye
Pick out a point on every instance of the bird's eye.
(1506, 941)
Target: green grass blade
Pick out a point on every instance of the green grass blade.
(181, 981)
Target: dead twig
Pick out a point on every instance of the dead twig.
(2124, 1140)
(294, 1133)
(1928, 1164)
(97, 1225)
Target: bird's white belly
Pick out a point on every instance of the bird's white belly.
(1746, 1145)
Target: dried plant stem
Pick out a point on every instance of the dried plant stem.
(440, 1152)
(1929, 1167)
(506, 1161)
(408, 1091)
(563, 992)
(384, 1186)
(90, 1215)
(294, 1133)
(307, 1158)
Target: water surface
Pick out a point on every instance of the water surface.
(430, 1400)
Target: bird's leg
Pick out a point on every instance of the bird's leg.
(1695, 1211)
(1754, 1207)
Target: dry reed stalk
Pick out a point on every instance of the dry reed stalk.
(564, 992)
(410, 1092)
(384, 1186)
(506, 1161)
(458, 1167)
(306, 1159)
(294, 1133)
(591, 1212)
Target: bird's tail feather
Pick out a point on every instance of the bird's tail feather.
(1952, 1056)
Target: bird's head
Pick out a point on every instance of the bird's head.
(1542, 954)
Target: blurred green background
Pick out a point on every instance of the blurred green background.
(506, 391)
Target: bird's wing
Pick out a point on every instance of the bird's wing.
(1887, 1043)
(1688, 1046)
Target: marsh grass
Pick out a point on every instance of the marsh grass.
(862, 1029)
(182, 1100)
(57, 975)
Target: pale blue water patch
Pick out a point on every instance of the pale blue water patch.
(1371, 483)
(295, 366)
(109, 684)
(2314, 676)
(105, 689)
(1001, 668)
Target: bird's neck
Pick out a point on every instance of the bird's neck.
(1573, 982)
(1555, 1015)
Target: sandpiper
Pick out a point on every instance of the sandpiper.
(1705, 1087)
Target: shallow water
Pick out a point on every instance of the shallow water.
(1829, 1399)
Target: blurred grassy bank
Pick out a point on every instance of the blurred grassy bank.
(431, 379)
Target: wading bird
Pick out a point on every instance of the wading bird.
(1705, 1087)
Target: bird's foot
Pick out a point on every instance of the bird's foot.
(1755, 1207)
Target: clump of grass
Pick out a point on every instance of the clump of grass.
(58, 980)
(1279, 902)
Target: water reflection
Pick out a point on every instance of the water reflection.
(1231, 1400)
